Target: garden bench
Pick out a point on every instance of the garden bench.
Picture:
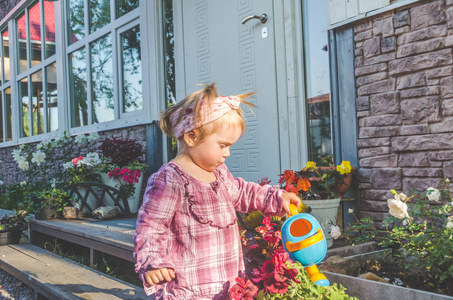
(83, 191)
(54, 277)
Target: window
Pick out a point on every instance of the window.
(5, 90)
(104, 57)
(317, 83)
(36, 70)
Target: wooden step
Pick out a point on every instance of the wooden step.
(55, 277)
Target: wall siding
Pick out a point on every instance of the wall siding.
(404, 78)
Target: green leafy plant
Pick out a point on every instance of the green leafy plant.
(14, 222)
(312, 182)
(270, 274)
(419, 231)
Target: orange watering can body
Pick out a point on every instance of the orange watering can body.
(305, 242)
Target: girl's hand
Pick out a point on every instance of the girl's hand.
(157, 276)
(290, 198)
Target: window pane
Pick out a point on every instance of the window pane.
(1, 61)
(9, 115)
(38, 104)
(1, 119)
(52, 97)
(35, 34)
(102, 80)
(76, 29)
(24, 107)
(132, 70)
(22, 43)
(78, 81)
(317, 79)
(125, 6)
(49, 19)
(6, 55)
(99, 14)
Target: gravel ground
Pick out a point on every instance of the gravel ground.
(12, 288)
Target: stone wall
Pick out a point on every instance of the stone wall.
(404, 76)
(6, 6)
(11, 174)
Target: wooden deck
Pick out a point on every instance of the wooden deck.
(113, 237)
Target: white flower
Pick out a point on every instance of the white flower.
(93, 137)
(23, 183)
(401, 197)
(39, 146)
(80, 139)
(335, 231)
(1, 182)
(68, 165)
(38, 157)
(449, 224)
(92, 158)
(53, 183)
(23, 165)
(350, 211)
(433, 194)
(16, 154)
(404, 223)
(397, 208)
(450, 218)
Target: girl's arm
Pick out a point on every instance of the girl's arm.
(154, 218)
(250, 196)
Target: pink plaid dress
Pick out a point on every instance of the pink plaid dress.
(191, 227)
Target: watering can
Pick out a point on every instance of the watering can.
(305, 242)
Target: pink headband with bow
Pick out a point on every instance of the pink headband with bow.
(207, 113)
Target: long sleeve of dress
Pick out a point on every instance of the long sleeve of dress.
(151, 237)
(250, 196)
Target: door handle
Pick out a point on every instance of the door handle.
(262, 18)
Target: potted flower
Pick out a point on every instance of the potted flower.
(419, 235)
(270, 274)
(11, 228)
(320, 188)
(84, 169)
(123, 168)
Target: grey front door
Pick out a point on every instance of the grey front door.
(240, 58)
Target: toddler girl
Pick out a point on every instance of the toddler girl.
(187, 243)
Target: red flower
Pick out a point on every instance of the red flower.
(76, 159)
(243, 290)
(288, 177)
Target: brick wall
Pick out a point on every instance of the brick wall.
(404, 76)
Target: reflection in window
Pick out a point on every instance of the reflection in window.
(78, 82)
(49, 20)
(1, 119)
(52, 97)
(22, 43)
(9, 115)
(317, 80)
(24, 108)
(37, 103)
(76, 29)
(35, 34)
(102, 80)
(125, 6)
(99, 14)
(5, 52)
(131, 70)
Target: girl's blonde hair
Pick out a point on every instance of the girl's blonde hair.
(208, 93)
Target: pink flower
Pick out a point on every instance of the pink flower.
(76, 159)
(243, 290)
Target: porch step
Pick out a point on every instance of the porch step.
(55, 277)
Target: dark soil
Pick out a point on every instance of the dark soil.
(411, 278)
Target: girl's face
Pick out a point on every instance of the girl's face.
(212, 152)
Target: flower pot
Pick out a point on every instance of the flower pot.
(343, 187)
(77, 202)
(325, 212)
(10, 237)
(133, 200)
